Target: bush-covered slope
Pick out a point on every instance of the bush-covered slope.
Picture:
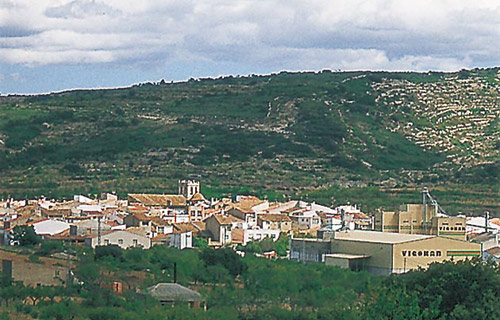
(281, 133)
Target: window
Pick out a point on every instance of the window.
(135, 242)
(120, 241)
(106, 242)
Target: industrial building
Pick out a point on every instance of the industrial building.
(381, 252)
(427, 218)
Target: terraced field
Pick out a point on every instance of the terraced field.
(281, 135)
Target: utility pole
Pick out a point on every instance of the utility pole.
(99, 230)
(486, 218)
(424, 195)
(68, 264)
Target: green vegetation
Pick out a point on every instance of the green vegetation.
(25, 236)
(254, 288)
(282, 135)
(266, 245)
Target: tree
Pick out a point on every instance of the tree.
(49, 247)
(393, 303)
(226, 258)
(462, 290)
(109, 250)
(199, 242)
(24, 236)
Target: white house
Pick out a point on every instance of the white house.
(122, 238)
(306, 219)
(82, 199)
(181, 240)
(256, 234)
(88, 227)
(220, 226)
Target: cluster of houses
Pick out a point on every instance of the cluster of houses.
(175, 220)
(460, 113)
(144, 220)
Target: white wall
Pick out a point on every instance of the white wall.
(259, 234)
(181, 240)
(123, 239)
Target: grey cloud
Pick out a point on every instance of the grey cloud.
(385, 34)
(81, 9)
(15, 31)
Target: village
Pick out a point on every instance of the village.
(341, 235)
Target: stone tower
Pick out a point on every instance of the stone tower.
(188, 187)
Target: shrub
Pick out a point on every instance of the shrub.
(108, 251)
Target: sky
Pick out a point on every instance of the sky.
(54, 45)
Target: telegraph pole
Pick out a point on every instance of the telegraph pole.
(99, 230)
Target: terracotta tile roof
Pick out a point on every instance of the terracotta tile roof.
(290, 210)
(25, 210)
(141, 216)
(141, 231)
(137, 208)
(238, 236)
(183, 231)
(64, 235)
(494, 251)
(197, 197)
(159, 221)
(223, 219)
(56, 212)
(361, 215)
(273, 217)
(212, 211)
(184, 227)
(247, 203)
(200, 225)
(113, 223)
(324, 215)
(480, 237)
(158, 199)
(495, 221)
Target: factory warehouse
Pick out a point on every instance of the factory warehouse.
(382, 252)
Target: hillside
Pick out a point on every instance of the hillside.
(290, 134)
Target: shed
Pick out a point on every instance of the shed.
(173, 293)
